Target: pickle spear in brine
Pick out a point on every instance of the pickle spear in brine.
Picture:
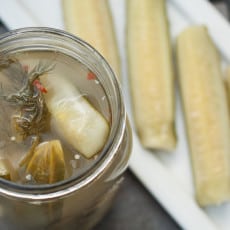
(73, 117)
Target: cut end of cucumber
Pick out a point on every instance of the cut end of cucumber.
(162, 141)
(212, 196)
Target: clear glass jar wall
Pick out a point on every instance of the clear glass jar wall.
(82, 199)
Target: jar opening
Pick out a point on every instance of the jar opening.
(65, 47)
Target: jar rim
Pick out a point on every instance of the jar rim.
(69, 185)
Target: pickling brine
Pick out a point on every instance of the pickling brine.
(65, 140)
(48, 96)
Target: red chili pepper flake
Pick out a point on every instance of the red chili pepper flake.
(39, 86)
(91, 76)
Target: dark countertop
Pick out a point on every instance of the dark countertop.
(134, 208)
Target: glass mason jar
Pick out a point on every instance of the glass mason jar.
(81, 200)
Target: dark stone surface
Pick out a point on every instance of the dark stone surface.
(136, 209)
(2, 28)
